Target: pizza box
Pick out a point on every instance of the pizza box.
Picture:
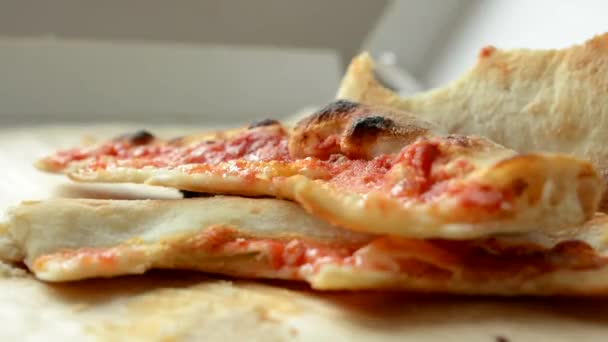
(50, 80)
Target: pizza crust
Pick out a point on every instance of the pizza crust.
(528, 100)
(69, 239)
(562, 282)
(356, 131)
(99, 223)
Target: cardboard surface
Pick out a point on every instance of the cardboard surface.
(170, 306)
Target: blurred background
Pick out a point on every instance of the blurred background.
(224, 61)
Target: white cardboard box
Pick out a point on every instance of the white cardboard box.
(49, 80)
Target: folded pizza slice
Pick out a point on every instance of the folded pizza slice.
(71, 239)
(368, 169)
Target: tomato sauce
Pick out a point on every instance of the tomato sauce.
(283, 254)
(416, 174)
(482, 196)
(297, 259)
(358, 175)
(252, 145)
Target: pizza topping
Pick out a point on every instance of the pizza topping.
(124, 146)
(251, 145)
(294, 258)
(416, 161)
(487, 51)
(102, 257)
(358, 175)
(140, 137)
(423, 171)
(63, 158)
(482, 196)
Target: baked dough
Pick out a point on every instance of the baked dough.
(527, 100)
(71, 239)
(363, 168)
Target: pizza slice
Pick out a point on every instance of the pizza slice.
(528, 100)
(363, 168)
(72, 239)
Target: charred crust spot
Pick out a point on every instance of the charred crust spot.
(194, 194)
(370, 125)
(459, 140)
(189, 194)
(334, 110)
(375, 122)
(262, 123)
(336, 107)
(339, 106)
(500, 338)
(140, 137)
